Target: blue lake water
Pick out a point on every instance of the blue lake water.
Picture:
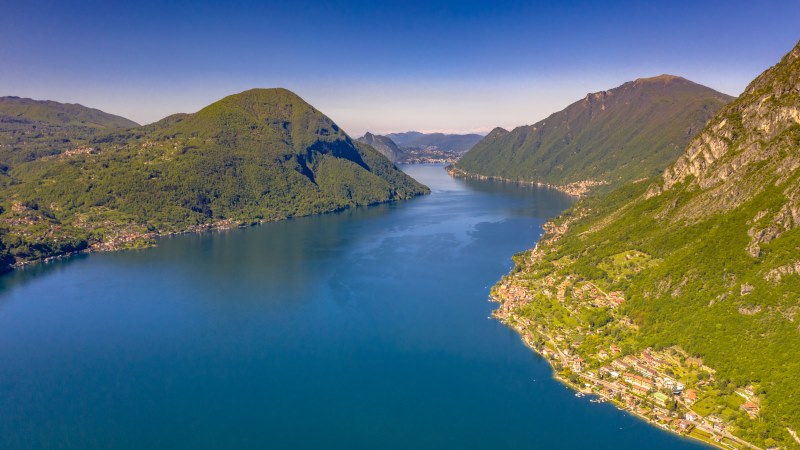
(360, 330)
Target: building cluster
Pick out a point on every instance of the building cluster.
(594, 296)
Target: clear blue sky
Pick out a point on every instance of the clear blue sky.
(381, 66)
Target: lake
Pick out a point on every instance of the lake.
(358, 330)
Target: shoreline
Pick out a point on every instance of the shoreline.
(590, 387)
(141, 241)
(577, 189)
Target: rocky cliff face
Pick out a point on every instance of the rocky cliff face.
(753, 128)
(383, 145)
(751, 145)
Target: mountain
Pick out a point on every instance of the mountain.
(382, 144)
(261, 155)
(30, 129)
(700, 266)
(413, 147)
(455, 143)
(609, 137)
(61, 113)
(406, 137)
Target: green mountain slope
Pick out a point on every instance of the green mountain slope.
(61, 113)
(263, 154)
(612, 137)
(383, 145)
(30, 129)
(707, 258)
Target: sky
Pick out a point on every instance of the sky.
(381, 66)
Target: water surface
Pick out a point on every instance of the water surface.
(359, 330)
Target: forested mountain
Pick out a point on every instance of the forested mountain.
(704, 259)
(263, 154)
(607, 138)
(33, 128)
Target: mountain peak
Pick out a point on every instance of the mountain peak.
(258, 99)
(663, 78)
(497, 131)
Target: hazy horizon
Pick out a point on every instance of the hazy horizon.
(393, 67)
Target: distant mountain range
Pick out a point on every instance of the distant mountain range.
(261, 155)
(456, 143)
(607, 138)
(415, 147)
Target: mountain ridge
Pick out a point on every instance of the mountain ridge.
(446, 142)
(61, 113)
(606, 138)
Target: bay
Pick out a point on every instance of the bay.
(362, 329)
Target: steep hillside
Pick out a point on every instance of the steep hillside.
(382, 144)
(701, 265)
(30, 129)
(609, 138)
(263, 154)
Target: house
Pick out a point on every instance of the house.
(684, 426)
(631, 360)
(616, 299)
(692, 416)
(615, 350)
(637, 380)
(646, 371)
(577, 364)
(690, 396)
(620, 365)
(639, 390)
(751, 408)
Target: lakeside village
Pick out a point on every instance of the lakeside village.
(576, 189)
(669, 387)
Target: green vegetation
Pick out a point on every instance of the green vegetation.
(259, 155)
(31, 129)
(613, 137)
(708, 259)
